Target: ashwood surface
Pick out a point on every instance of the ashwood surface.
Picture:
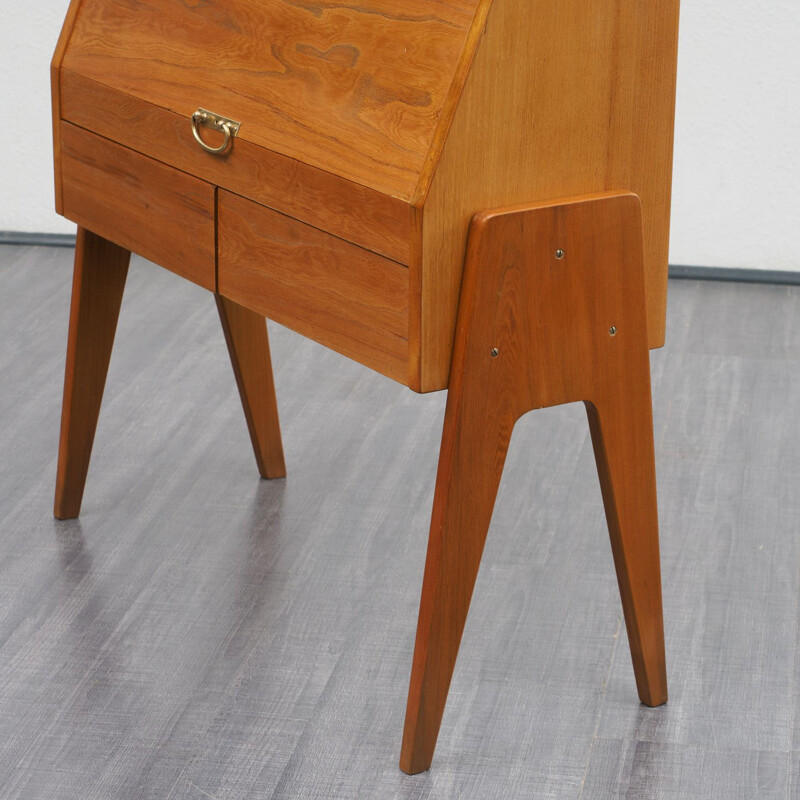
(536, 330)
(347, 298)
(390, 127)
(248, 346)
(354, 88)
(352, 211)
(562, 99)
(98, 283)
(140, 204)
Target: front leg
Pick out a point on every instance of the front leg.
(477, 432)
(101, 268)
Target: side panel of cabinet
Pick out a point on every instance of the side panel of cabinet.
(55, 93)
(563, 99)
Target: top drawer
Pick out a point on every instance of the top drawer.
(348, 210)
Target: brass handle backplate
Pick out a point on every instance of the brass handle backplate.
(218, 123)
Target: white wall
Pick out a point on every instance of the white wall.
(737, 138)
(737, 146)
(28, 33)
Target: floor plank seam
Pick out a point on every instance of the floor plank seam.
(601, 704)
(793, 704)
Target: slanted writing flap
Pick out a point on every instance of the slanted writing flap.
(354, 87)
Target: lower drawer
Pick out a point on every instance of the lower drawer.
(142, 205)
(347, 298)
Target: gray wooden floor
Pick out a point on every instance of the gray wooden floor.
(203, 633)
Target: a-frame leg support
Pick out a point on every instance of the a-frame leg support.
(552, 311)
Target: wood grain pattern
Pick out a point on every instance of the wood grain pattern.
(97, 286)
(340, 295)
(390, 128)
(354, 88)
(562, 99)
(55, 94)
(474, 37)
(536, 331)
(158, 212)
(248, 346)
(349, 210)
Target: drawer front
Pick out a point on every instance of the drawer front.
(160, 213)
(345, 297)
(349, 210)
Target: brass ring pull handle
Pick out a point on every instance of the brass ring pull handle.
(229, 127)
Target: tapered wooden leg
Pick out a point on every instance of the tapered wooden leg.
(248, 345)
(622, 435)
(474, 446)
(97, 286)
(552, 311)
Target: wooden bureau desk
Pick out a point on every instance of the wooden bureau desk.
(462, 194)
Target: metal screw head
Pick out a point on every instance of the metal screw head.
(559, 254)
(613, 330)
(495, 352)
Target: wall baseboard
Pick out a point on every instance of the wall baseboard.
(38, 239)
(676, 271)
(781, 277)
